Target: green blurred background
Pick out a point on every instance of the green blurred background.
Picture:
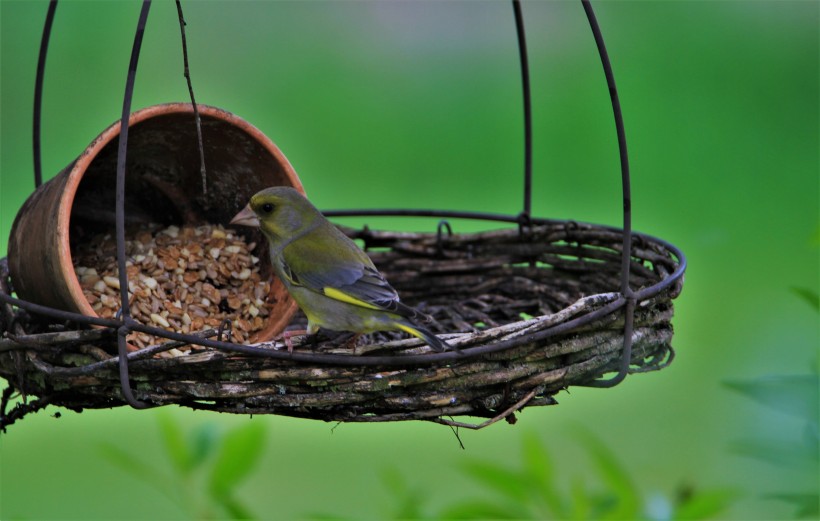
(417, 104)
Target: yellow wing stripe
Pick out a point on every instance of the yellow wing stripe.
(344, 297)
(408, 329)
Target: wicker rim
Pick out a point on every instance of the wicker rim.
(353, 360)
(499, 370)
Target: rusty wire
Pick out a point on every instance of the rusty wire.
(38, 94)
(127, 321)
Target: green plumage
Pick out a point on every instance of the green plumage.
(332, 280)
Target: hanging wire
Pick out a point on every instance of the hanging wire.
(626, 252)
(127, 321)
(525, 85)
(187, 74)
(38, 93)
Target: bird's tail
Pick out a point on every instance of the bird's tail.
(424, 334)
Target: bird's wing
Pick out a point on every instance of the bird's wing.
(335, 267)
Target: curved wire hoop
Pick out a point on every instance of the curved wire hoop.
(125, 324)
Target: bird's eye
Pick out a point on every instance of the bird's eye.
(267, 207)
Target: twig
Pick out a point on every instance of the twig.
(114, 360)
(518, 405)
(56, 340)
(20, 410)
(4, 401)
(458, 436)
(13, 327)
(187, 74)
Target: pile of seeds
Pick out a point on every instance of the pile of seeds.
(180, 279)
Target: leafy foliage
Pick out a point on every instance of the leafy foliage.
(809, 296)
(790, 394)
(797, 396)
(207, 466)
(533, 492)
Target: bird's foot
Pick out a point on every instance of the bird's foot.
(350, 343)
(287, 335)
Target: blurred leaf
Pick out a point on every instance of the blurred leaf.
(129, 463)
(394, 481)
(811, 439)
(239, 453)
(509, 483)
(580, 500)
(808, 505)
(407, 503)
(778, 452)
(204, 443)
(618, 481)
(327, 517)
(605, 506)
(793, 394)
(617, 498)
(705, 505)
(139, 470)
(809, 296)
(233, 507)
(175, 444)
(538, 465)
(483, 510)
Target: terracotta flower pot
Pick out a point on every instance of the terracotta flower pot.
(163, 185)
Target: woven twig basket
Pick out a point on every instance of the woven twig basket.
(532, 311)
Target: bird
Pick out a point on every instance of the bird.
(332, 280)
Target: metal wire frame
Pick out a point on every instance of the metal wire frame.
(38, 93)
(125, 323)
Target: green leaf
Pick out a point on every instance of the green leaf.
(407, 503)
(483, 510)
(808, 505)
(605, 505)
(204, 443)
(809, 296)
(509, 483)
(320, 516)
(617, 481)
(777, 452)
(393, 481)
(175, 444)
(811, 440)
(129, 463)
(793, 394)
(539, 467)
(239, 453)
(139, 470)
(233, 508)
(581, 502)
(705, 505)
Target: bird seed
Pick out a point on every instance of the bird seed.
(179, 279)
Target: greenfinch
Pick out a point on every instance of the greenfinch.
(331, 279)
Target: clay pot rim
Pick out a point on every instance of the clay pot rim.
(80, 165)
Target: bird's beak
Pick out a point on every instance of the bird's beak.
(246, 218)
